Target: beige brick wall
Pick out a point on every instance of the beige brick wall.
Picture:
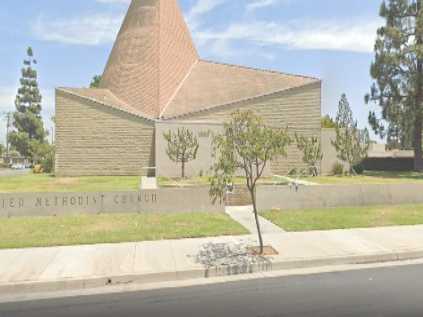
(92, 139)
(299, 109)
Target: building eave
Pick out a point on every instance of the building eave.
(108, 105)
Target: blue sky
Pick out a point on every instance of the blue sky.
(329, 39)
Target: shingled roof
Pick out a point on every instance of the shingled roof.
(152, 54)
(212, 85)
(103, 97)
(154, 70)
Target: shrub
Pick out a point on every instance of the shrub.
(43, 154)
(338, 169)
(293, 172)
(37, 169)
(359, 169)
(47, 163)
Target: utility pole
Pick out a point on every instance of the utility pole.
(8, 125)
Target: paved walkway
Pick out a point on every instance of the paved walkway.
(244, 215)
(98, 265)
(148, 183)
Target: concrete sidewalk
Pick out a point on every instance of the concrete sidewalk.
(81, 267)
(244, 215)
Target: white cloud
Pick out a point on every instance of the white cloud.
(83, 30)
(102, 28)
(199, 9)
(358, 36)
(355, 35)
(259, 4)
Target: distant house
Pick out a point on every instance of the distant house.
(14, 160)
(154, 76)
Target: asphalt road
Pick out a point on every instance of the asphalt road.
(392, 291)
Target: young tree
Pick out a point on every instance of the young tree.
(182, 147)
(95, 82)
(312, 153)
(27, 121)
(398, 72)
(246, 145)
(351, 143)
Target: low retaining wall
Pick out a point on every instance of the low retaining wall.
(284, 197)
(160, 200)
(196, 199)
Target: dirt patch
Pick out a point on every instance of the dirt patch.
(267, 251)
(66, 181)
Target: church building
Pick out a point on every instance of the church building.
(155, 80)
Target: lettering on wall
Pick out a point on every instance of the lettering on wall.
(93, 202)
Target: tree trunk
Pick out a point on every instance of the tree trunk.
(418, 161)
(183, 170)
(253, 198)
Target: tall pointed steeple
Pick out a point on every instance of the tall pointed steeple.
(152, 55)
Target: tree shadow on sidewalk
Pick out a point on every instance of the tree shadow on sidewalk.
(221, 259)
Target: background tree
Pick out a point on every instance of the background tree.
(398, 72)
(2, 150)
(182, 147)
(95, 82)
(27, 121)
(351, 143)
(327, 122)
(312, 153)
(246, 145)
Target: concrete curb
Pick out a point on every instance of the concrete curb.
(99, 282)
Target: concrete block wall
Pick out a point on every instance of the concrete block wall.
(299, 109)
(92, 139)
(204, 132)
(165, 200)
(328, 196)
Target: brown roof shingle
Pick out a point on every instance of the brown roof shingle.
(212, 84)
(152, 54)
(104, 97)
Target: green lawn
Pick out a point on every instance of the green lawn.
(204, 181)
(346, 218)
(112, 228)
(48, 183)
(370, 178)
